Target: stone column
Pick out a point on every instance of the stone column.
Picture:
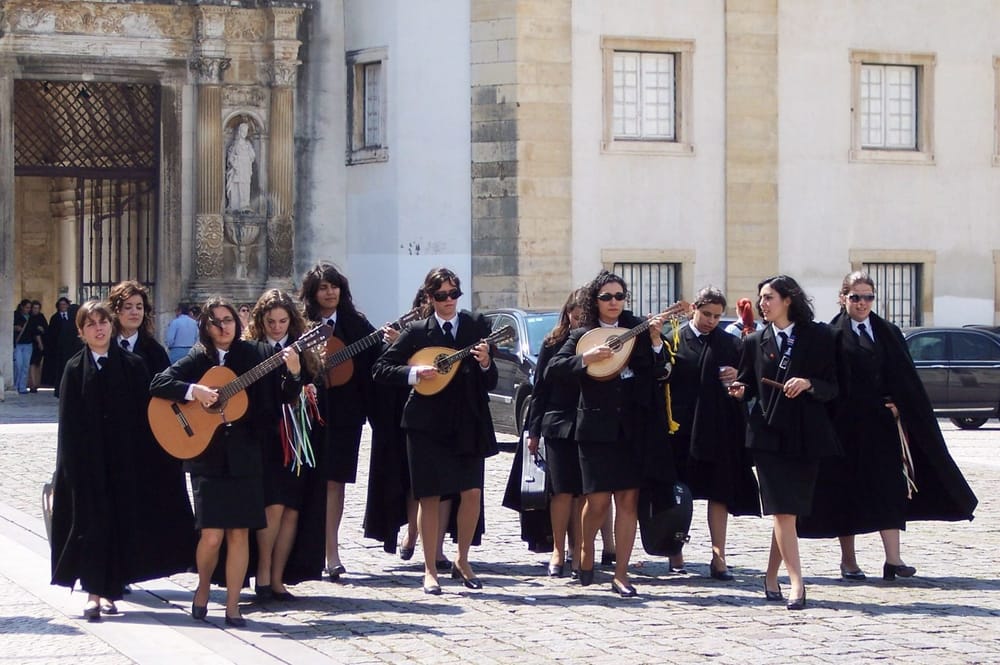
(281, 172)
(210, 168)
(7, 248)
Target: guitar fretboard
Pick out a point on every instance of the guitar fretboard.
(354, 348)
(245, 380)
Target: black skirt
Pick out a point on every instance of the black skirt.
(340, 453)
(224, 502)
(787, 484)
(282, 485)
(563, 459)
(437, 470)
(609, 466)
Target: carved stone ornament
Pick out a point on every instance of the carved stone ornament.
(279, 246)
(282, 73)
(209, 70)
(245, 25)
(243, 96)
(208, 243)
(98, 18)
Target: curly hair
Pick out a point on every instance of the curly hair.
(559, 334)
(326, 272)
(205, 320)
(271, 299)
(591, 313)
(800, 308)
(121, 292)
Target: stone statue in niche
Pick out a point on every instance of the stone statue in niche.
(239, 170)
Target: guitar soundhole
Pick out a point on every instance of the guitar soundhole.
(614, 343)
(440, 364)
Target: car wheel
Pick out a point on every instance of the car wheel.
(969, 423)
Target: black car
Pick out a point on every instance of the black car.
(960, 369)
(515, 361)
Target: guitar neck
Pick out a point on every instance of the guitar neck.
(456, 357)
(354, 348)
(634, 332)
(244, 381)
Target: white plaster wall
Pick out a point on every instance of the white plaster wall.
(412, 213)
(650, 201)
(829, 206)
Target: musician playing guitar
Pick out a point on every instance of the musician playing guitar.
(619, 424)
(227, 478)
(449, 433)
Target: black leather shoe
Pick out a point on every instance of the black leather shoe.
(335, 572)
(284, 596)
(856, 575)
(774, 596)
(607, 558)
(891, 571)
(108, 607)
(443, 565)
(586, 577)
(470, 582)
(406, 553)
(236, 622)
(624, 590)
(555, 569)
(92, 611)
(263, 591)
(199, 612)
(678, 570)
(797, 603)
(724, 575)
(433, 590)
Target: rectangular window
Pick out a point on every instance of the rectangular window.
(373, 105)
(644, 96)
(897, 291)
(652, 287)
(889, 107)
(366, 106)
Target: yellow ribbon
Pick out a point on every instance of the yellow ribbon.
(675, 325)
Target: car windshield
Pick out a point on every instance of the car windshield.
(539, 326)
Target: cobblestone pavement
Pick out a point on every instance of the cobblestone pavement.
(950, 613)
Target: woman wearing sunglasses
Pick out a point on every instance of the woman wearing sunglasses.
(618, 422)
(867, 490)
(790, 367)
(449, 434)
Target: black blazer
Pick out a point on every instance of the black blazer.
(235, 450)
(460, 413)
(553, 400)
(607, 408)
(797, 427)
(349, 405)
(152, 352)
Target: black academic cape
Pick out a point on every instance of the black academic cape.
(120, 507)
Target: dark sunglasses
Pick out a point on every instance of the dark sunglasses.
(608, 297)
(441, 296)
(857, 297)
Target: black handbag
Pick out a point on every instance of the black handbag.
(665, 518)
(534, 495)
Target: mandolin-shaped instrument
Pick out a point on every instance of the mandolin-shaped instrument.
(338, 364)
(447, 360)
(184, 429)
(621, 341)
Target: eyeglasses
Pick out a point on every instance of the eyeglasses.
(441, 296)
(228, 321)
(858, 297)
(608, 297)
(244, 310)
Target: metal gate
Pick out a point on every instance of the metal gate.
(105, 138)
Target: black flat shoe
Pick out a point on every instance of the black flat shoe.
(92, 611)
(574, 574)
(283, 596)
(470, 582)
(624, 590)
(678, 570)
(586, 577)
(607, 558)
(199, 612)
(433, 590)
(723, 575)
(108, 607)
(890, 571)
(774, 596)
(443, 565)
(556, 569)
(797, 603)
(406, 553)
(236, 622)
(856, 575)
(335, 572)
(263, 591)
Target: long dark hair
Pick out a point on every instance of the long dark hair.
(435, 278)
(121, 292)
(272, 299)
(320, 272)
(800, 309)
(205, 318)
(559, 334)
(591, 315)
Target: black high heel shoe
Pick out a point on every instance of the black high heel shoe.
(772, 595)
(199, 612)
(608, 558)
(470, 582)
(586, 577)
(623, 590)
(856, 575)
(556, 569)
(92, 611)
(406, 553)
(236, 622)
(890, 571)
(723, 575)
(797, 603)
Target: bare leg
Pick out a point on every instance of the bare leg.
(848, 555)
(237, 558)
(787, 537)
(444, 516)
(626, 522)
(773, 565)
(206, 557)
(334, 513)
(718, 520)
(468, 518)
(427, 519)
(559, 512)
(576, 530)
(265, 543)
(608, 530)
(410, 539)
(283, 548)
(596, 509)
(890, 542)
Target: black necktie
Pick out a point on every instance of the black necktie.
(101, 362)
(331, 323)
(783, 336)
(864, 341)
(447, 332)
(277, 347)
(65, 316)
(125, 344)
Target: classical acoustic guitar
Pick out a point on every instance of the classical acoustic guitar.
(446, 361)
(621, 341)
(339, 366)
(184, 429)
